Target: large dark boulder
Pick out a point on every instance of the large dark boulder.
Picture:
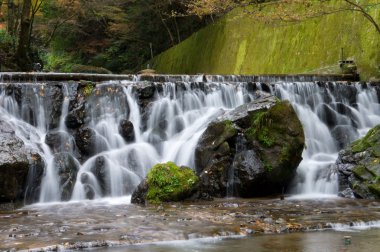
(359, 167)
(255, 149)
(15, 161)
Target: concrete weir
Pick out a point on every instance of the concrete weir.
(42, 76)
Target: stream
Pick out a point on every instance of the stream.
(115, 223)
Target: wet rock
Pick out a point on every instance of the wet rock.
(34, 179)
(248, 171)
(146, 90)
(76, 117)
(358, 167)
(14, 164)
(67, 168)
(54, 99)
(266, 160)
(126, 130)
(139, 194)
(101, 173)
(88, 141)
(343, 135)
(59, 141)
(89, 191)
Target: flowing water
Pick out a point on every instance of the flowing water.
(367, 240)
(332, 114)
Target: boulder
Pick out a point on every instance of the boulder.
(101, 173)
(166, 182)
(76, 117)
(54, 100)
(88, 141)
(34, 179)
(255, 148)
(59, 141)
(358, 167)
(15, 160)
(126, 130)
(67, 168)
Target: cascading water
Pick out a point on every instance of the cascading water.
(332, 116)
(167, 128)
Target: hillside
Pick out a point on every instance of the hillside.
(237, 44)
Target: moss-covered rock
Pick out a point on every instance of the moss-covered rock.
(359, 167)
(255, 149)
(166, 182)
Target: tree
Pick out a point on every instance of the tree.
(22, 52)
(284, 10)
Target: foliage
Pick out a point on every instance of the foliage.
(285, 10)
(168, 182)
(114, 34)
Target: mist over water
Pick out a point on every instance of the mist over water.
(169, 127)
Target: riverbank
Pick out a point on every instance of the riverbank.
(115, 222)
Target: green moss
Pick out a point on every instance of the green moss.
(87, 88)
(362, 173)
(168, 182)
(375, 189)
(239, 44)
(366, 143)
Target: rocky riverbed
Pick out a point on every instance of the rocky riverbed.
(116, 222)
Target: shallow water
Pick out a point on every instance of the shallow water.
(367, 240)
(116, 222)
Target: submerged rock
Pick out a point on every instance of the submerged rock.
(126, 130)
(359, 167)
(166, 182)
(254, 150)
(88, 141)
(101, 173)
(59, 141)
(67, 168)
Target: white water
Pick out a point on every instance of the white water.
(314, 106)
(170, 131)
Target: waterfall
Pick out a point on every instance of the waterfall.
(168, 127)
(332, 116)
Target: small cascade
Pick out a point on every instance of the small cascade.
(132, 124)
(240, 146)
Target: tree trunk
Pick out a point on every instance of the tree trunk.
(22, 53)
(10, 17)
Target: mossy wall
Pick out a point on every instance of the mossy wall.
(237, 44)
